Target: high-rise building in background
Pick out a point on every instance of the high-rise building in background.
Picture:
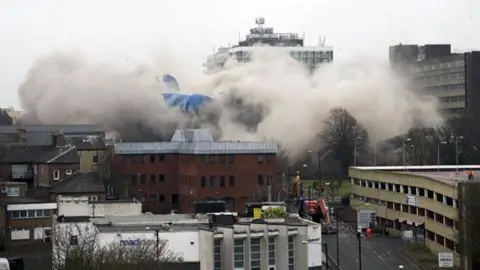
(454, 78)
(293, 43)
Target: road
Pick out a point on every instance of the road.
(377, 253)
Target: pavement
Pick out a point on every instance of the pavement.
(378, 253)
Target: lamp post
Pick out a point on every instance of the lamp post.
(404, 154)
(456, 138)
(355, 150)
(438, 153)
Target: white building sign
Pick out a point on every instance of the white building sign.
(411, 200)
(365, 217)
(445, 259)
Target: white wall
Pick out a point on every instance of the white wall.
(315, 247)
(79, 206)
(184, 243)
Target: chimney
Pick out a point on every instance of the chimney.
(59, 140)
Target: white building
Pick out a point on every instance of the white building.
(249, 246)
(83, 206)
(291, 43)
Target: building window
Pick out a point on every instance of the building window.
(203, 181)
(161, 157)
(203, 159)
(239, 254)
(255, 254)
(161, 198)
(260, 159)
(133, 179)
(13, 192)
(231, 159)
(153, 197)
(231, 180)
(260, 180)
(56, 175)
(222, 159)
(291, 253)
(68, 171)
(45, 213)
(153, 178)
(212, 181)
(152, 159)
(93, 198)
(161, 177)
(222, 181)
(271, 252)
(95, 159)
(217, 254)
(143, 179)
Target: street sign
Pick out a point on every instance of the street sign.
(365, 217)
(445, 259)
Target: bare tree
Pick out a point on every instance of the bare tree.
(343, 135)
(78, 247)
(422, 148)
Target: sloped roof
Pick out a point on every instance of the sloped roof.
(89, 142)
(91, 182)
(20, 153)
(199, 141)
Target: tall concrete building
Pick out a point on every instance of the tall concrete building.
(293, 43)
(454, 78)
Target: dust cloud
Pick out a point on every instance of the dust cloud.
(280, 99)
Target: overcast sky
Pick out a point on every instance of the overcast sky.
(113, 30)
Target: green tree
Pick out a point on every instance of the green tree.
(343, 136)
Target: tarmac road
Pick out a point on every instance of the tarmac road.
(377, 253)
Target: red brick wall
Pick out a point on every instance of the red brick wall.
(183, 174)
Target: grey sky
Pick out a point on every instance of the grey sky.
(114, 30)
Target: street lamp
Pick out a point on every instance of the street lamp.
(438, 153)
(404, 155)
(324, 246)
(355, 150)
(456, 138)
(359, 237)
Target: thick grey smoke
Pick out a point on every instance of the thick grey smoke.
(271, 97)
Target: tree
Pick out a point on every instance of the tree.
(422, 147)
(343, 135)
(76, 247)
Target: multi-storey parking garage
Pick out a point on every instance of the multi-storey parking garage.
(422, 199)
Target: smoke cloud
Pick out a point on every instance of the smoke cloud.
(271, 97)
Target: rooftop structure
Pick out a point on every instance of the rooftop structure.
(292, 43)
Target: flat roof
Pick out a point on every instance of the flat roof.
(450, 178)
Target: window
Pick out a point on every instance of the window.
(203, 181)
(74, 240)
(212, 181)
(174, 198)
(271, 251)
(217, 254)
(222, 180)
(231, 159)
(153, 178)
(93, 198)
(13, 192)
(95, 159)
(161, 157)
(161, 177)
(153, 197)
(203, 159)
(68, 171)
(56, 175)
(291, 253)
(260, 180)
(255, 254)
(260, 159)
(152, 159)
(231, 180)
(221, 159)
(143, 179)
(239, 254)
(133, 179)
(161, 198)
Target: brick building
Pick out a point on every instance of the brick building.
(192, 167)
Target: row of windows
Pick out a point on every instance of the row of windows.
(452, 111)
(409, 190)
(212, 181)
(444, 77)
(220, 159)
(217, 254)
(56, 173)
(142, 179)
(437, 66)
(291, 253)
(142, 159)
(446, 88)
(418, 211)
(31, 214)
(452, 99)
(255, 253)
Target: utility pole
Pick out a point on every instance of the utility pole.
(359, 237)
(456, 138)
